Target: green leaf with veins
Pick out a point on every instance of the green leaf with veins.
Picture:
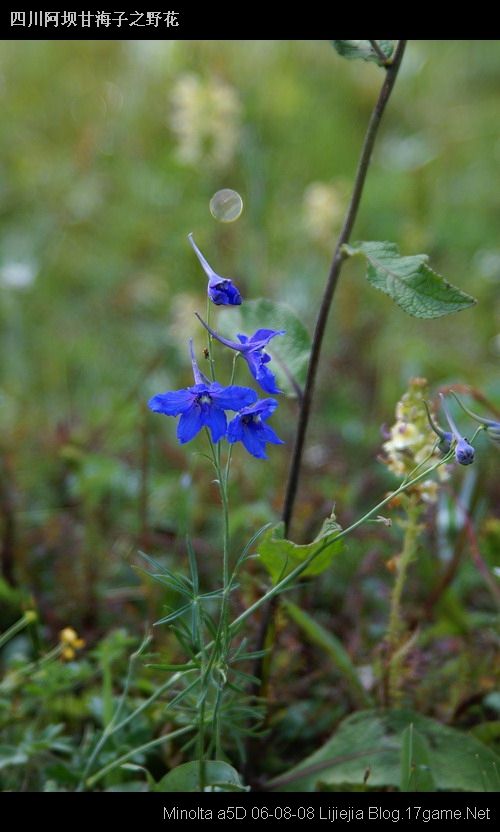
(409, 281)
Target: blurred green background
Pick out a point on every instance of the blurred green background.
(109, 155)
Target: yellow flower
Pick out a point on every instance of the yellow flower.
(70, 643)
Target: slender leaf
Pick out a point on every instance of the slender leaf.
(416, 774)
(332, 647)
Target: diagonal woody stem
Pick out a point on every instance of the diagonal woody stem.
(333, 276)
(392, 69)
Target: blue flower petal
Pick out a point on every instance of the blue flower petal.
(253, 442)
(269, 435)
(263, 336)
(232, 398)
(171, 404)
(215, 419)
(464, 453)
(190, 423)
(223, 292)
(262, 374)
(235, 430)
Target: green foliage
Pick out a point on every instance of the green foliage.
(363, 49)
(416, 774)
(218, 776)
(332, 646)
(409, 281)
(376, 748)
(96, 205)
(290, 352)
(281, 556)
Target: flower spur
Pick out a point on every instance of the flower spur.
(221, 290)
(464, 452)
(252, 349)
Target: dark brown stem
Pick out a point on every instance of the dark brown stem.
(384, 60)
(331, 284)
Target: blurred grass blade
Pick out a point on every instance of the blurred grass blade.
(416, 774)
(333, 648)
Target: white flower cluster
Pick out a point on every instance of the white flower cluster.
(323, 208)
(412, 440)
(206, 119)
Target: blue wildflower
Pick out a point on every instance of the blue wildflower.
(248, 427)
(221, 290)
(252, 350)
(491, 427)
(202, 405)
(464, 452)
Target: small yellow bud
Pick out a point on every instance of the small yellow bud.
(70, 640)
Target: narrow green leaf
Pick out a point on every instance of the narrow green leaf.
(175, 668)
(173, 615)
(280, 556)
(332, 647)
(290, 352)
(416, 774)
(219, 776)
(363, 50)
(409, 281)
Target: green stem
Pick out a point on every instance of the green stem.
(236, 624)
(28, 618)
(396, 623)
(140, 749)
(295, 573)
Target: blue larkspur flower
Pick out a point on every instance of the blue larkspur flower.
(464, 452)
(252, 350)
(491, 427)
(202, 405)
(249, 428)
(221, 290)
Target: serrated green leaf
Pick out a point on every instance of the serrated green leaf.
(363, 50)
(280, 556)
(367, 747)
(290, 352)
(219, 776)
(409, 281)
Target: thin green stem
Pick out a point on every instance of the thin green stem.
(396, 623)
(112, 727)
(295, 573)
(28, 618)
(139, 750)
